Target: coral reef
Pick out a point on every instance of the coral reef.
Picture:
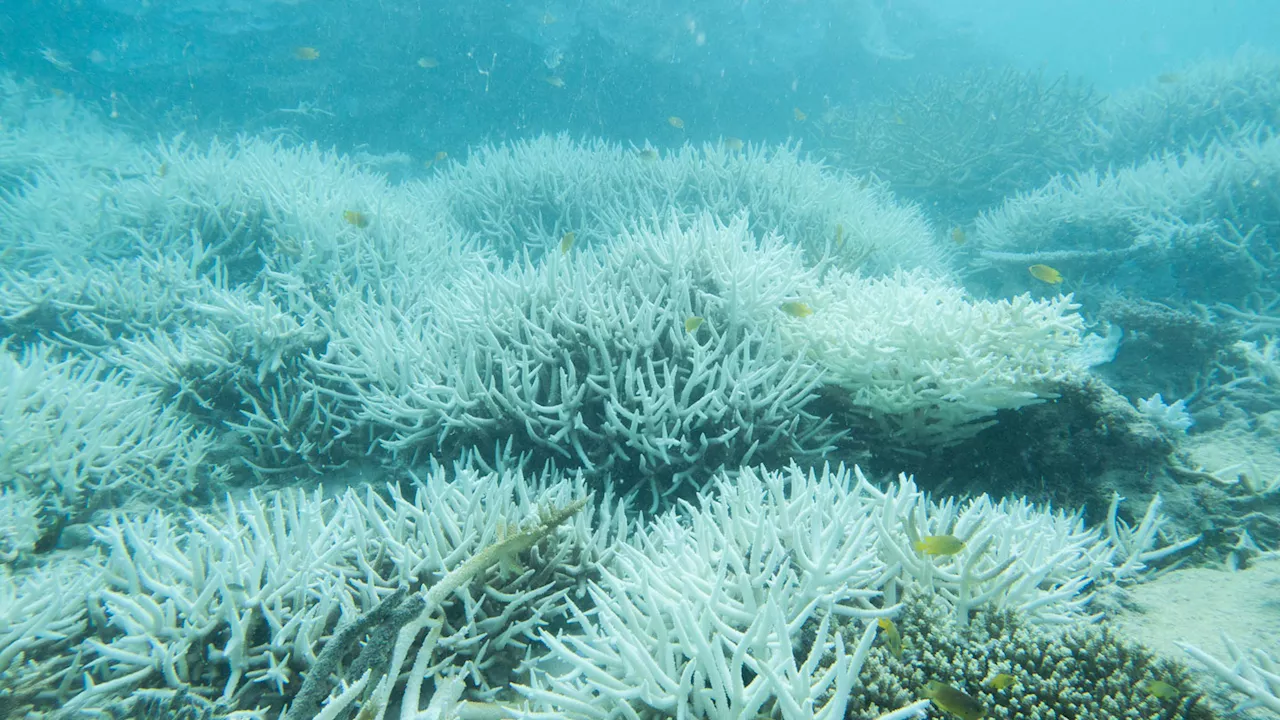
(1163, 349)
(588, 359)
(1190, 226)
(237, 604)
(946, 365)
(523, 197)
(77, 435)
(1253, 673)
(1021, 670)
(1189, 107)
(958, 145)
(741, 604)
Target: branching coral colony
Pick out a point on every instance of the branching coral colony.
(763, 597)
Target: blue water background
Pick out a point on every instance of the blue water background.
(726, 67)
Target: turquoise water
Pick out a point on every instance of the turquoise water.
(874, 359)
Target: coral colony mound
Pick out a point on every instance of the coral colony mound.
(576, 430)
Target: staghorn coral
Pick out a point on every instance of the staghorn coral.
(957, 145)
(946, 364)
(585, 359)
(1191, 226)
(521, 198)
(763, 597)
(1189, 107)
(236, 604)
(79, 435)
(1254, 673)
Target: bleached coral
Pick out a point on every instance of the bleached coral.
(79, 434)
(240, 601)
(924, 362)
(1166, 224)
(525, 196)
(739, 605)
(1254, 673)
(587, 358)
(1171, 417)
(1203, 100)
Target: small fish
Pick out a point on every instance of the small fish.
(52, 57)
(958, 236)
(355, 217)
(1001, 681)
(796, 309)
(548, 19)
(648, 154)
(428, 63)
(898, 119)
(676, 122)
(733, 144)
(441, 156)
(566, 242)
(306, 52)
(692, 323)
(954, 701)
(839, 235)
(1169, 78)
(162, 170)
(892, 638)
(938, 545)
(1046, 274)
(1160, 689)
(554, 81)
(237, 587)
(799, 114)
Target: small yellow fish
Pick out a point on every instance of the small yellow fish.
(548, 19)
(441, 156)
(237, 587)
(796, 309)
(892, 638)
(1160, 689)
(676, 122)
(648, 154)
(306, 52)
(355, 217)
(692, 323)
(958, 236)
(428, 63)
(799, 114)
(1046, 274)
(839, 235)
(898, 119)
(554, 81)
(938, 545)
(162, 170)
(954, 701)
(566, 242)
(1001, 681)
(733, 144)
(1169, 78)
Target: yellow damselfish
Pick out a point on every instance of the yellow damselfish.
(1001, 681)
(1044, 273)
(954, 701)
(566, 242)
(938, 545)
(892, 638)
(692, 323)
(1160, 689)
(355, 217)
(796, 309)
